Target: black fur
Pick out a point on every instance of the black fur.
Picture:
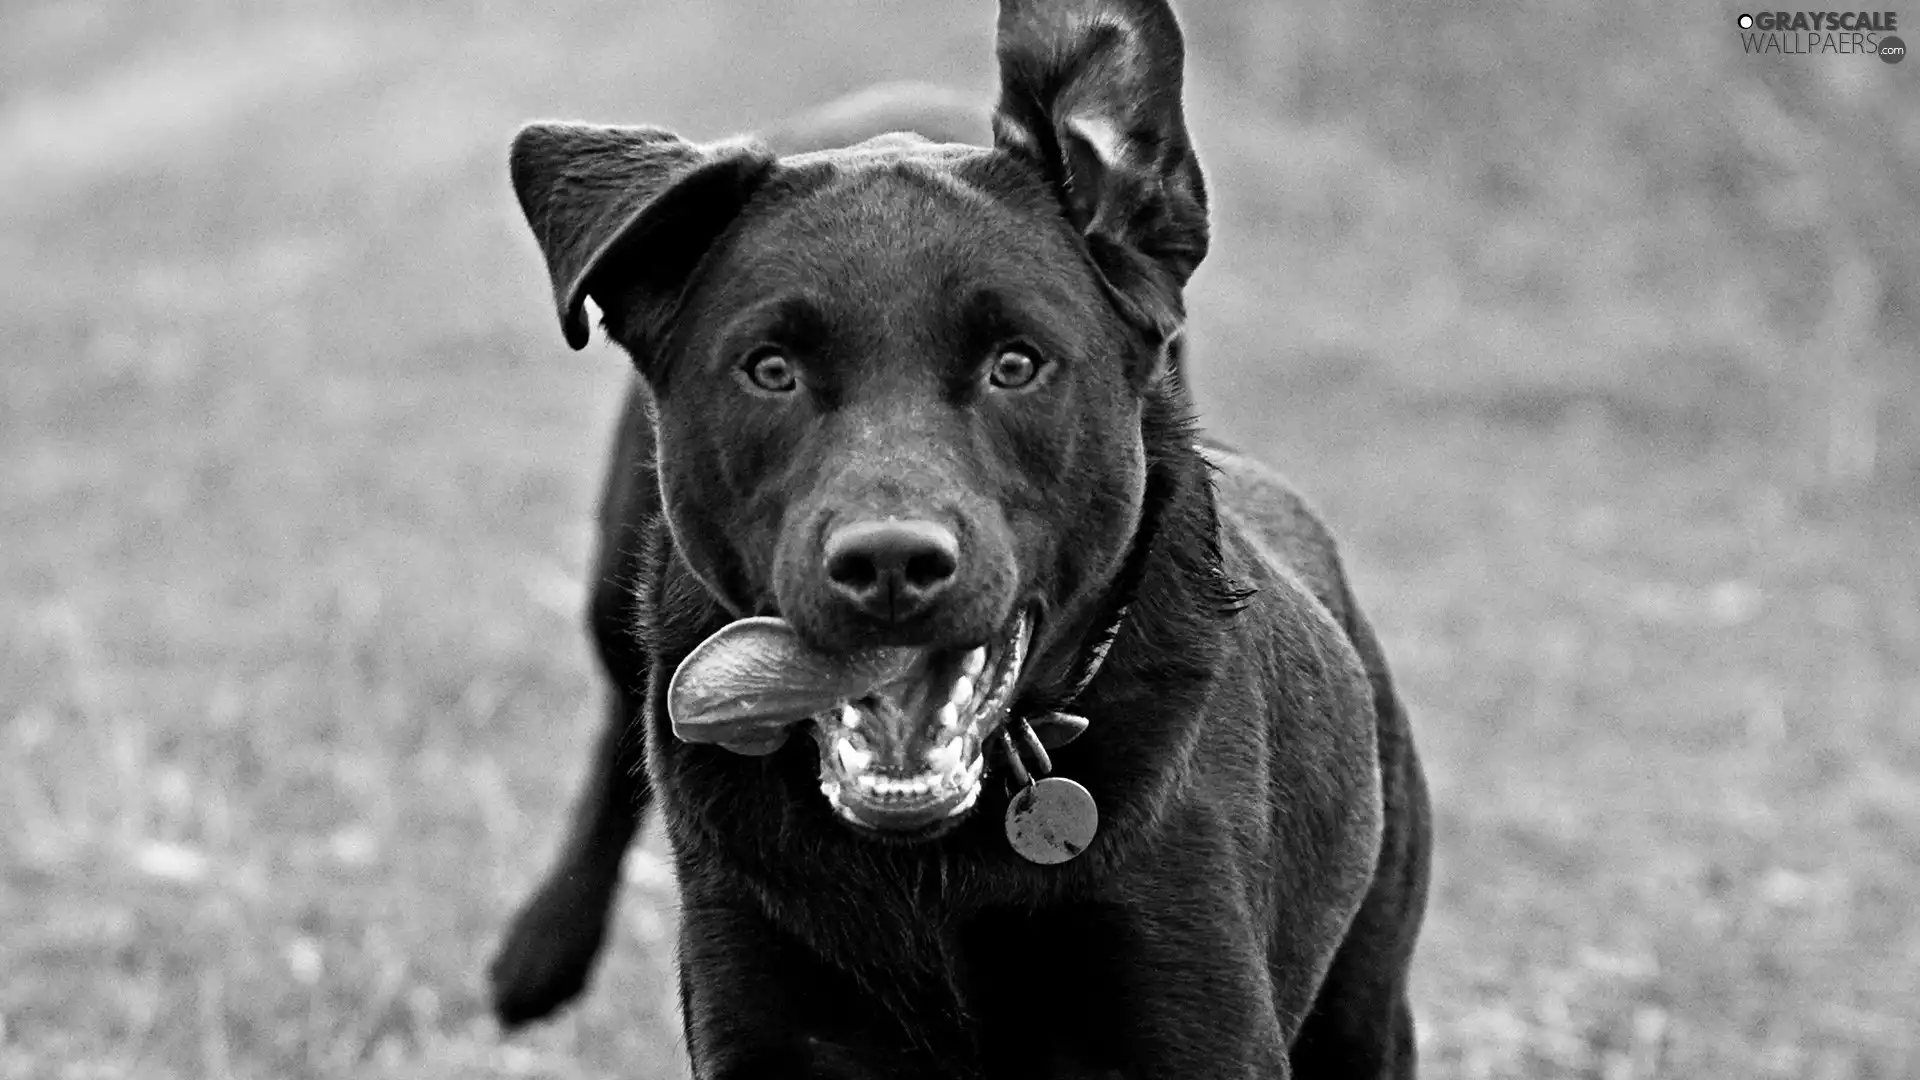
(1250, 905)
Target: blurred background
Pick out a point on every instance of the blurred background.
(1594, 337)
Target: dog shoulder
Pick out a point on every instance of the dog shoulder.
(1276, 544)
(1306, 675)
(1263, 502)
(1312, 654)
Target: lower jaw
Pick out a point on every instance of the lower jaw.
(924, 816)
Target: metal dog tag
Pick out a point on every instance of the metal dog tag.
(1051, 820)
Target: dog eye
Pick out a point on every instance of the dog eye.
(772, 372)
(1013, 369)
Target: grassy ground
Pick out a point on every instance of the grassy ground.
(1593, 337)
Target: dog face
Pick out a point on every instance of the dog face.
(898, 385)
(876, 391)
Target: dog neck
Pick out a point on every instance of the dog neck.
(1114, 607)
(1170, 586)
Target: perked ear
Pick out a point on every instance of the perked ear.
(624, 214)
(1090, 91)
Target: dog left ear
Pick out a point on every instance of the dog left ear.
(1090, 92)
(624, 214)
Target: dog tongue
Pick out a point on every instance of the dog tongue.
(748, 684)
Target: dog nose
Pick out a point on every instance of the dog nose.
(891, 570)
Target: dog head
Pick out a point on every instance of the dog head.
(898, 386)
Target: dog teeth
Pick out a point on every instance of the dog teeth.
(945, 761)
(975, 663)
(948, 717)
(945, 770)
(849, 716)
(966, 801)
(888, 787)
(961, 695)
(853, 760)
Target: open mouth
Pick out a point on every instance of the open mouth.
(909, 755)
(902, 732)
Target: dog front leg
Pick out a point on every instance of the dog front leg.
(1196, 995)
(757, 1005)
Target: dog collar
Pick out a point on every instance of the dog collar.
(1055, 726)
(1050, 819)
(1097, 654)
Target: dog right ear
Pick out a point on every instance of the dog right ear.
(624, 215)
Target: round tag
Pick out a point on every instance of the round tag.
(1051, 821)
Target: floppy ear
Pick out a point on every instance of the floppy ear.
(624, 214)
(1090, 92)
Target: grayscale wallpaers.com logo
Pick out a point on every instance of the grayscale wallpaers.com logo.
(1815, 33)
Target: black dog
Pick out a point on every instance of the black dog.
(922, 399)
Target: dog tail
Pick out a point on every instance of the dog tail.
(938, 113)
